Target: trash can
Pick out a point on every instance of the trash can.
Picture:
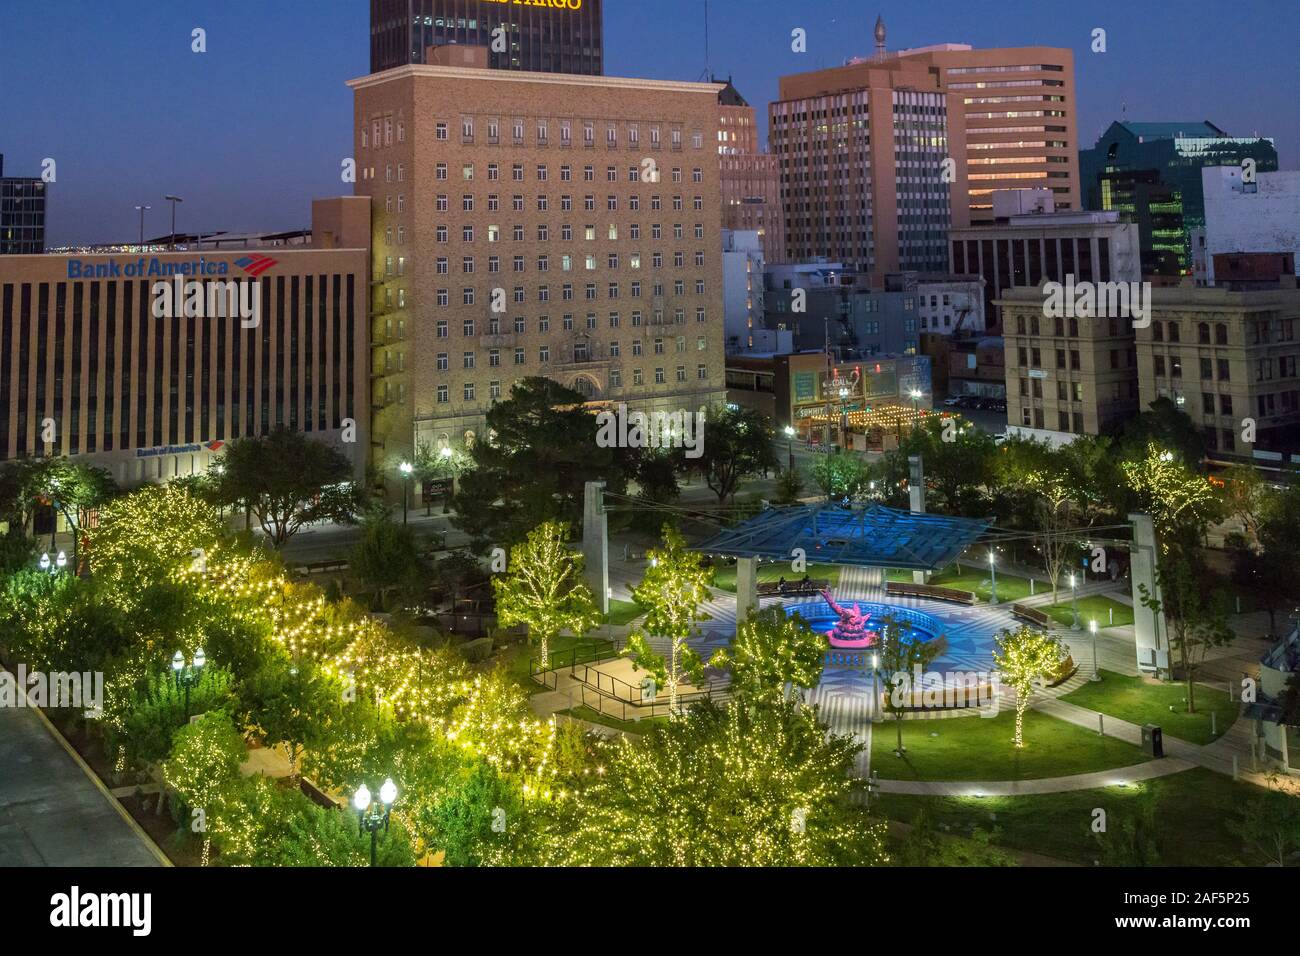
(1153, 741)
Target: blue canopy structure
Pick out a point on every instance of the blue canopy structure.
(869, 537)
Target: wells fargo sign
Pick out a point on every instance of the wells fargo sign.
(550, 4)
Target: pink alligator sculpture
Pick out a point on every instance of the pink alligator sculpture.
(850, 632)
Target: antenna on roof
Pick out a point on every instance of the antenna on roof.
(708, 74)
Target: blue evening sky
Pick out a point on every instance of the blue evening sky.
(251, 130)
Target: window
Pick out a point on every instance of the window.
(444, 394)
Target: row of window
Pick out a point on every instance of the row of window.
(469, 327)
(469, 390)
(382, 133)
(582, 352)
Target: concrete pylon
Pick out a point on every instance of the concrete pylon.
(746, 588)
(1151, 638)
(916, 498)
(595, 543)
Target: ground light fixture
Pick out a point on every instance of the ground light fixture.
(1074, 602)
(373, 816)
(993, 571)
(1096, 671)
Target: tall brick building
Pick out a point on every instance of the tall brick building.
(751, 179)
(533, 224)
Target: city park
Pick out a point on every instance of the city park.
(955, 655)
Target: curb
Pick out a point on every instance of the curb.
(71, 751)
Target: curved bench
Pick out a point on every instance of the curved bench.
(903, 589)
(1031, 615)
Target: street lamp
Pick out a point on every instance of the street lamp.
(173, 200)
(141, 209)
(1096, 672)
(406, 468)
(993, 570)
(188, 677)
(1074, 603)
(52, 566)
(373, 816)
(789, 445)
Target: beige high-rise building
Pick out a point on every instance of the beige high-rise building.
(751, 180)
(864, 148)
(861, 152)
(1229, 361)
(1020, 115)
(530, 224)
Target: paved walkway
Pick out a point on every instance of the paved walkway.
(52, 812)
(1020, 788)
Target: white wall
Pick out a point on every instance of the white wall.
(1266, 220)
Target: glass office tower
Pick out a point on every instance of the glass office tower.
(544, 36)
(22, 214)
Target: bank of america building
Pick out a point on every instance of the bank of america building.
(540, 36)
(90, 370)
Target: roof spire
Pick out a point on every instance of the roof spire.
(880, 36)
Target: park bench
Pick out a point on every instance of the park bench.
(321, 567)
(792, 588)
(905, 589)
(1031, 615)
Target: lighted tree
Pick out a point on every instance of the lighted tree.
(291, 703)
(149, 535)
(542, 587)
(772, 650)
(672, 592)
(899, 653)
(1026, 657)
(1173, 494)
(737, 786)
(205, 757)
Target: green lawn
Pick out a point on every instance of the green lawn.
(980, 748)
(1092, 607)
(623, 612)
(1010, 586)
(1147, 702)
(725, 577)
(1193, 808)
